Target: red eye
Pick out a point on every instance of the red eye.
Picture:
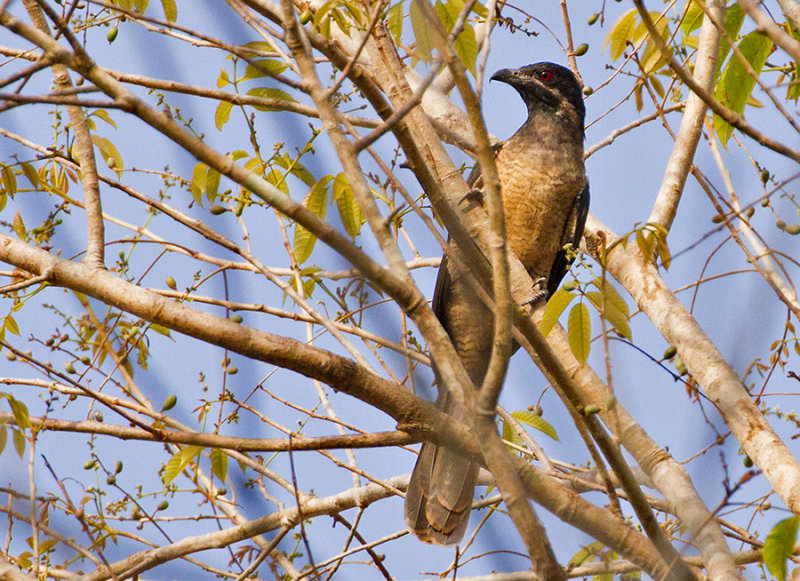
(545, 76)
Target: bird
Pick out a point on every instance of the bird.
(545, 203)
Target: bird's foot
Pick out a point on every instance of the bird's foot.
(539, 291)
(474, 196)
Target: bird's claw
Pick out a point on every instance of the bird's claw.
(474, 196)
(539, 291)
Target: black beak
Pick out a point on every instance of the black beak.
(504, 75)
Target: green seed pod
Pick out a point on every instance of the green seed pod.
(237, 318)
(670, 352)
(748, 463)
(581, 49)
(111, 480)
(570, 285)
(611, 402)
(69, 368)
(163, 505)
(111, 36)
(593, 18)
(591, 409)
(10, 356)
(764, 176)
(717, 218)
(89, 465)
(118, 467)
(750, 211)
(232, 370)
(793, 229)
(217, 210)
(171, 283)
(85, 360)
(781, 225)
(169, 403)
(98, 416)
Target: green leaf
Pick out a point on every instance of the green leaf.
(349, 210)
(30, 173)
(20, 411)
(692, 17)
(510, 435)
(11, 325)
(466, 44)
(198, 185)
(103, 114)
(223, 79)
(219, 463)
(266, 93)
(734, 17)
(616, 309)
(579, 330)
(296, 168)
(779, 546)
(110, 153)
(212, 184)
(170, 10)
(3, 438)
(536, 422)
(619, 35)
(9, 180)
(223, 114)
(553, 309)
(317, 202)
(178, 462)
(735, 84)
(19, 443)
(422, 33)
(394, 20)
(264, 68)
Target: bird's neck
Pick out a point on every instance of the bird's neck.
(552, 131)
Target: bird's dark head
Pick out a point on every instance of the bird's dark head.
(547, 86)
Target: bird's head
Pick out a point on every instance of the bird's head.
(547, 86)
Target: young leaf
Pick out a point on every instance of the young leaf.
(219, 463)
(422, 33)
(20, 411)
(317, 202)
(3, 438)
(619, 35)
(19, 443)
(536, 422)
(692, 17)
(579, 330)
(509, 435)
(178, 462)
(9, 180)
(779, 546)
(103, 114)
(198, 185)
(553, 309)
(110, 153)
(266, 93)
(223, 114)
(349, 210)
(394, 19)
(170, 10)
(264, 68)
